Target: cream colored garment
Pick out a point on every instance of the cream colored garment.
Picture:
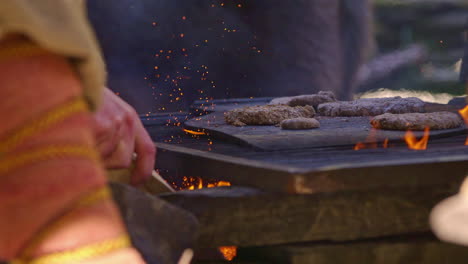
(62, 27)
(449, 218)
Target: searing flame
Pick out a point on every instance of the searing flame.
(415, 144)
(370, 145)
(464, 113)
(371, 142)
(222, 183)
(229, 253)
(192, 183)
(217, 184)
(195, 183)
(197, 133)
(385, 143)
(361, 145)
(198, 186)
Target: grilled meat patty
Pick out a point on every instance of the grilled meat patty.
(266, 114)
(299, 123)
(417, 121)
(306, 99)
(372, 107)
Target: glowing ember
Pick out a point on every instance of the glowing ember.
(198, 133)
(464, 113)
(195, 183)
(223, 183)
(229, 253)
(370, 142)
(197, 186)
(415, 144)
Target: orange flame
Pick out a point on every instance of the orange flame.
(194, 132)
(223, 183)
(229, 253)
(464, 113)
(192, 183)
(415, 144)
(370, 142)
(385, 143)
(361, 145)
(195, 183)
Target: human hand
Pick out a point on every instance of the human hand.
(119, 134)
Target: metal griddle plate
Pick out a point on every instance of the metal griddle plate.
(309, 170)
(333, 131)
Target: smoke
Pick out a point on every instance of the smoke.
(441, 98)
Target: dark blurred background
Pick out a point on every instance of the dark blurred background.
(436, 25)
(163, 55)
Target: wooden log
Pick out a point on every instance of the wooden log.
(246, 217)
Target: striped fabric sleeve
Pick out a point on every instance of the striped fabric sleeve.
(48, 159)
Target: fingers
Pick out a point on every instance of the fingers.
(146, 155)
(119, 133)
(121, 157)
(108, 138)
(108, 124)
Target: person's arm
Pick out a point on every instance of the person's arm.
(52, 185)
(120, 135)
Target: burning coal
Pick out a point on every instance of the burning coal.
(195, 183)
(229, 253)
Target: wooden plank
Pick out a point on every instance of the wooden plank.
(245, 217)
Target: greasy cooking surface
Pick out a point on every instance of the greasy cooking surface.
(301, 170)
(311, 158)
(181, 154)
(333, 131)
